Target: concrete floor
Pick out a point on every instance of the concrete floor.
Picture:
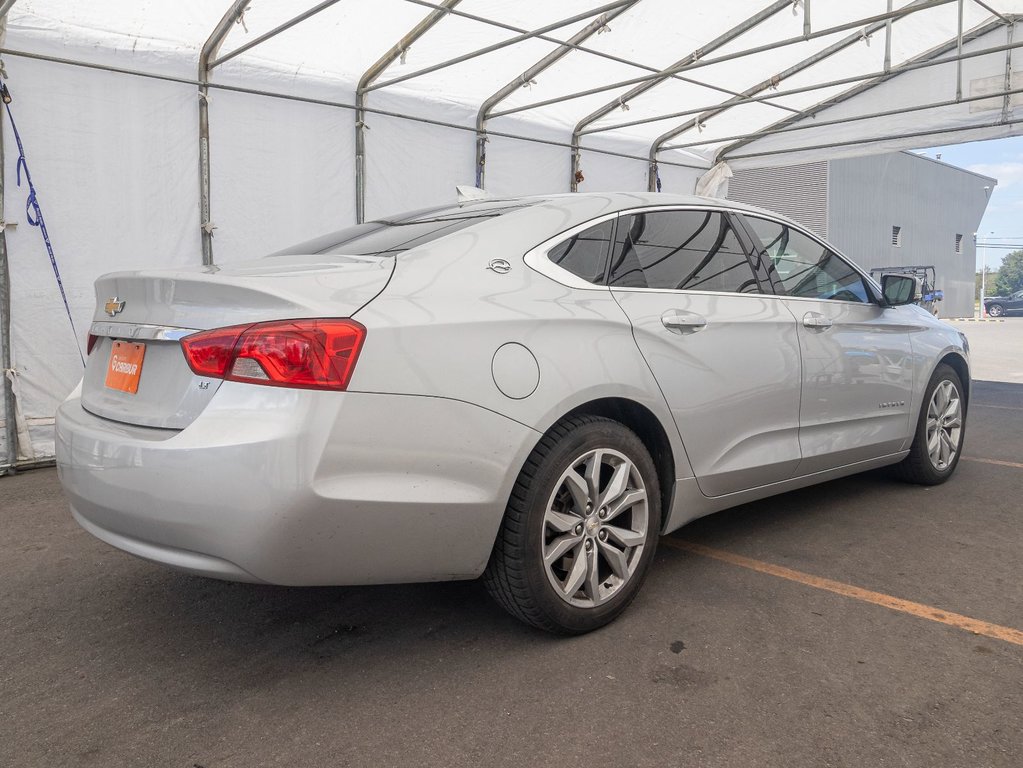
(106, 660)
(996, 348)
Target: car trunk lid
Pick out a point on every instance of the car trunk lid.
(149, 312)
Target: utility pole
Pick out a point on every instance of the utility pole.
(983, 272)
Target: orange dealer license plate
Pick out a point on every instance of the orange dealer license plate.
(125, 366)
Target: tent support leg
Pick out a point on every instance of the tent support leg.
(10, 426)
(888, 41)
(1007, 104)
(206, 56)
(959, 54)
(6, 386)
(371, 74)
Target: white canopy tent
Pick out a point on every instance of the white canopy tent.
(163, 133)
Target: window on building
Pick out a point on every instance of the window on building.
(897, 236)
(959, 243)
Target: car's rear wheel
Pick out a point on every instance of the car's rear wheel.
(995, 310)
(940, 431)
(580, 529)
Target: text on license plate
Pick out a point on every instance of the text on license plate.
(125, 366)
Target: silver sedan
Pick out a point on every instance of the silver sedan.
(529, 390)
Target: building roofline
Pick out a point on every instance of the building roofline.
(949, 165)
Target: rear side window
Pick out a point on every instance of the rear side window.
(386, 237)
(806, 268)
(585, 254)
(680, 250)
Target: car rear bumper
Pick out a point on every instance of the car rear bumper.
(298, 487)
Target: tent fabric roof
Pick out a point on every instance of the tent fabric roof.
(640, 38)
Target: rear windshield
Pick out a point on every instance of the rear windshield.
(386, 237)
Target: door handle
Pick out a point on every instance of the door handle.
(816, 321)
(677, 321)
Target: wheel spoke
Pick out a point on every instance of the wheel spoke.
(579, 488)
(616, 485)
(952, 410)
(617, 559)
(628, 501)
(576, 575)
(560, 547)
(593, 475)
(561, 522)
(933, 443)
(592, 583)
(943, 395)
(945, 448)
(625, 536)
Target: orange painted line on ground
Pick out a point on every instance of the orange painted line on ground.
(977, 627)
(996, 462)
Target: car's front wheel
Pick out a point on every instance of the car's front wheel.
(995, 310)
(940, 431)
(580, 529)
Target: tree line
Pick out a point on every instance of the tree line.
(1005, 280)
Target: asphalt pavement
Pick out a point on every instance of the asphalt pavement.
(106, 660)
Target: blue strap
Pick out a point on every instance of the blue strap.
(34, 216)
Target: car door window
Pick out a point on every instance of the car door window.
(806, 268)
(585, 254)
(680, 250)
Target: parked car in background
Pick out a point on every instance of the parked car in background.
(529, 390)
(996, 306)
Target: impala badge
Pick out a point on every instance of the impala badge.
(500, 266)
(113, 306)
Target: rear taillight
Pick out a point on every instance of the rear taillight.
(308, 354)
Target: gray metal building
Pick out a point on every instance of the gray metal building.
(896, 209)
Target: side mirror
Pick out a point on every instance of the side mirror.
(899, 289)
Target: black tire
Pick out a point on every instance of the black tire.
(918, 467)
(995, 310)
(516, 575)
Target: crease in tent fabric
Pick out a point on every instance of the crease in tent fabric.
(34, 214)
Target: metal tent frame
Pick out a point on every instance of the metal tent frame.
(596, 20)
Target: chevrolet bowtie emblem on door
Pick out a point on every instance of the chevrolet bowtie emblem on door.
(113, 306)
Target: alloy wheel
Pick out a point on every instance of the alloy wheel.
(595, 528)
(944, 425)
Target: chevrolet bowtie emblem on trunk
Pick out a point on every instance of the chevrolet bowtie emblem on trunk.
(113, 306)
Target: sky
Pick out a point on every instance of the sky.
(1001, 159)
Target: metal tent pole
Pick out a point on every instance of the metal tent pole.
(638, 90)
(774, 131)
(528, 35)
(884, 137)
(10, 423)
(366, 81)
(273, 32)
(926, 59)
(771, 82)
(870, 21)
(206, 56)
(528, 75)
(582, 49)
